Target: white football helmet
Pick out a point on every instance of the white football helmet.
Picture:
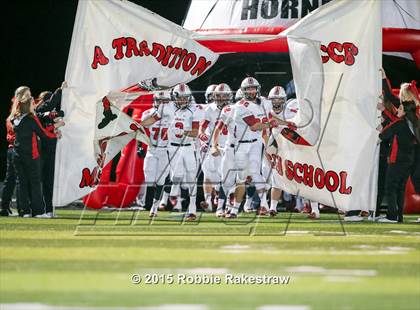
(278, 98)
(181, 95)
(248, 83)
(209, 95)
(239, 95)
(161, 97)
(223, 95)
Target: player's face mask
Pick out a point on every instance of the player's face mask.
(251, 93)
(278, 104)
(182, 102)
(222, 100)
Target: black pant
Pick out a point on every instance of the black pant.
(29, 184)
(383, 165)
(9, 182)
(396, 179)
(47, 171)
(415, 172)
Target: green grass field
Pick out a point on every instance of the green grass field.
(90, 262)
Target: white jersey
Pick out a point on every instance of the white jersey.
(291, 110)
(248, 110)
(212, 117)
(228, 120)
(199, 115)
(158, 130)
(183, 120)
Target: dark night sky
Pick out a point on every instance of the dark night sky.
(36, 41)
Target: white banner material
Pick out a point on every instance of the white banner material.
(115, 44)
(340, 169)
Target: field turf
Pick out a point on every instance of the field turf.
(87, 263)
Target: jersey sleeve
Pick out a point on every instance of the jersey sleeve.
(150, 113)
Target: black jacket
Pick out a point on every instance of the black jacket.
(27, 129)
(402, 141)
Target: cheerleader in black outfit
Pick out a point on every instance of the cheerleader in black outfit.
(26, 159)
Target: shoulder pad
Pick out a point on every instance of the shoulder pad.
(244, 102)
(227, 109)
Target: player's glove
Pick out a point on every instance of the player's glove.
(292, 126)
(204, 148)
(141, 152)
(203, 137)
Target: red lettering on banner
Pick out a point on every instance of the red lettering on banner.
(289, 169)
(131, 48)
(297, 167)
(168, 56)
(343, 186)
(99, 58)
(201, 66)
(319, 178)
(118, 44)
(324, 58)
(340, 52)
(331, 181)
(310, 175)
(143, 49)
(350, 51)
(90, 179)
(176, 52)
(158, 48)
(189, 61)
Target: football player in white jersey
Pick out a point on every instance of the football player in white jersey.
(227, 151)
(279, 116)
(223, 96)
(251, 118)
(156, 162)
(181, 147)
(239, 95)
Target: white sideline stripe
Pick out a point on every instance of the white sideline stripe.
(342, 279)
(284, 307)
(332, 272)
(235, 246)
(37, 306)
(210, 271)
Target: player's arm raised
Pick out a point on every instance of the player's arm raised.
(148, 121)
(255, 124)
(215, 138)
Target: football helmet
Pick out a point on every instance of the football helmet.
(209, 95)
(223, 95)
(181, 95)
(239, 95)
(278, 98)
(249, 83)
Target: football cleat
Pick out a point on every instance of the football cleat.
(231, 215)
(173, 200)
(314, 216)
(220, 213)
(262, 211)
(190, 217)
(273, 213)
(205, 206)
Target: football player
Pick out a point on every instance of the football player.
(223, 96)
(251, 118)
(181, 147)
(280, 114)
